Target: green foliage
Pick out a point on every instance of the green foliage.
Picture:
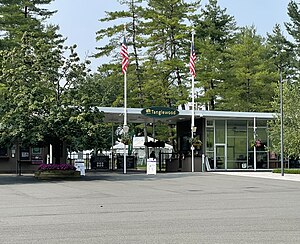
(287, 171)
(253, 75)
(293, 27)
(195, 141)
(216, 25)
(237, 66)
(167, 48)
(156, 76)
(126, 139)
(291, 107)
(47, 94)
(214, 32)
(163, 132)
(41, 98)
(18, 17)
(286, 56)
(283, 53)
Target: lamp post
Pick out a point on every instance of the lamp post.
(254, 148)
(281, 124)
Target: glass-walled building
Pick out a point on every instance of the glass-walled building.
(232, 143)
(231, 140)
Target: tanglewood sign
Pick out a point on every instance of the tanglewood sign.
(160, 112)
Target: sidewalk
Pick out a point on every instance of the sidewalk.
(267, 175)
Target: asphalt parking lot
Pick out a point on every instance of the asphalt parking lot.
(162, 208)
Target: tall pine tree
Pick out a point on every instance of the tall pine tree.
(132, 20)
(215, 30)
(286, 55)
(168, 39)
(20, 16)
(253, 75)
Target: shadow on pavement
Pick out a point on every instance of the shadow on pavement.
(12, 179)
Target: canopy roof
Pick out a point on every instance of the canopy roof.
(134, 115)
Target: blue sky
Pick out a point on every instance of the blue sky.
(78, 19)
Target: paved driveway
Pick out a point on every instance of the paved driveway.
(136, 208)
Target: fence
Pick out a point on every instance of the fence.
(86, 157)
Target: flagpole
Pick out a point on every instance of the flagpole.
(193, 124)
(193, 110)
(125, 119)
(124, 53)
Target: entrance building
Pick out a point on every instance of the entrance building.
(229, 143)
(230, 140)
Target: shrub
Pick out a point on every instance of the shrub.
(287, 171)
(44, 167)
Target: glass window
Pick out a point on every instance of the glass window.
(236, 128)
(261, 134)
(250, 138)
(220, 131)
(261, 141)
(209, 123)
(237, 149)
(259, 123)
(236, 143)
(261, 160)
(220, 157)
(210, 139)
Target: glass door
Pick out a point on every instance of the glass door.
(220, 157)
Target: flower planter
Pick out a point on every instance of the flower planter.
(197, 145)
(196, 142)
(56, 174)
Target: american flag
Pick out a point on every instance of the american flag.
(124, 54)
(192, 61)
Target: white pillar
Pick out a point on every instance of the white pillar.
(51, 154)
